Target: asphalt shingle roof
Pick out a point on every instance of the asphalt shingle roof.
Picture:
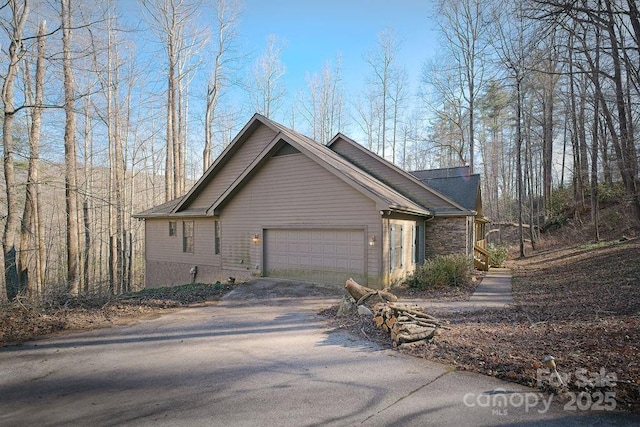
(455, 183)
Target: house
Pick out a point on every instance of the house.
(460, 185)
(276, 203)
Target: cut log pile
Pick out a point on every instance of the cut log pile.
(407, 323)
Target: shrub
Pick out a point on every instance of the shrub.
(610, 194)
(561, 202)
(497, 255)
(441, 271)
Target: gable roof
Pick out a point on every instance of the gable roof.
(409, 185)
(386, 197)
(227, 153)
(457, 183)
(161, 210)
(440, 192)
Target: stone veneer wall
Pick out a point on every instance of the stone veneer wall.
(445, 236)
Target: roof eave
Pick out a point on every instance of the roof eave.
(170, 215)
(222, 158)
(408, 210)
(454, 214)
(391, 165)
(275, 144)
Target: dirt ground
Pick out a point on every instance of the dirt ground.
(579, 304)
(24, 320)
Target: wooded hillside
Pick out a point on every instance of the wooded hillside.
(111, 107)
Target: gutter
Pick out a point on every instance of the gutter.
(404, 209)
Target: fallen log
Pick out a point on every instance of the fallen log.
(365, 297)
(362, 293)
(414, 310)
(403, 333)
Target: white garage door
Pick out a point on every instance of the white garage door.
(321, 256)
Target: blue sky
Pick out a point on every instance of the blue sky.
(315, 31)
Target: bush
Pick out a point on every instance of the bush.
(442, 271)
(561, 202)
(611, 194)
(497, 255)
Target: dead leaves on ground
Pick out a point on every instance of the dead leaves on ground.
(21, 320)
(581, 305)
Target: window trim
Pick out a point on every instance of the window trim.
(396, 253)
(173, 228)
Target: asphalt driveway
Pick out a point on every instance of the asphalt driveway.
(260, 357)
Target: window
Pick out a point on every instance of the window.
(216, 242)
(396, 250)
(187, 236)
(173, 228)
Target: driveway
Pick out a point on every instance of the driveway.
(260, 357)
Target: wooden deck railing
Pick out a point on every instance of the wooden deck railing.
(481, 255)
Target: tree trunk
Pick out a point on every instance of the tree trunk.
(12, 222)
(628, 161)
(547, 137)
(519, 164)
(71, 188)
(31, 242)
(362, 293)
(595, 215)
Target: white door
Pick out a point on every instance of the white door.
(315, 255)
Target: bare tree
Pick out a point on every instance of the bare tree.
(382, 60)
(513, 48)
(441, 96)
(267, 91)
(367, 109)
(619, 72)
(463, 25)
(170, 20)
(70, 160)
(10, 242)
(397, 96)
(550, 78)
(324, 105)
(32, 234)
(227, 16)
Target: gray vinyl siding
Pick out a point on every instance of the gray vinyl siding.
(292, 191)
(246, 153)
(165, 250)
(388, 175)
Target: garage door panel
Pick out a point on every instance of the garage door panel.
(317, 255)
(344, 250)
(304, 247)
